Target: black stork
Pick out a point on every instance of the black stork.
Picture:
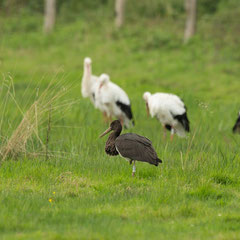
(130, 146)
(236, 128)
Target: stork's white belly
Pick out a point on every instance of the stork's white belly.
(166, 118)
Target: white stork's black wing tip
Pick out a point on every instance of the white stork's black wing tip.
(126, 109)
(158, 161)
(236, 128)
(183, 119)
(133, 122)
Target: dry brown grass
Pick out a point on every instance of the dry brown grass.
(32, 119)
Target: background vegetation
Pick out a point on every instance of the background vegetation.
(81, 193)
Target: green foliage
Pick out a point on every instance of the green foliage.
(224, 180)
(71, 9)
(208, 7)
(154, 8)
(13, 6)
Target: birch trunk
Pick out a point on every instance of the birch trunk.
(49, 15)
(190, 27)
(119, 10)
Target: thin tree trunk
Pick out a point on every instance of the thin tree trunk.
(49, 15)
(191, 10)
(119, 10)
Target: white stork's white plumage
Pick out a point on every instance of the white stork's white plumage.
(89, 81)
(90, 85)
(113, 100)
(170, 110)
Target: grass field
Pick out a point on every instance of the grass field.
(80, 192)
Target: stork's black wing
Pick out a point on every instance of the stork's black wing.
(136, 147)
(183, 119)
(126, 109)
(236, 128)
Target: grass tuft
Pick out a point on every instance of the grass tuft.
(223, 180)
(32, 119)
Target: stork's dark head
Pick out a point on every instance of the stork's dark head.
(114, 126)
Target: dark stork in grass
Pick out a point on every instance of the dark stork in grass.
(114, 101)
(236, 128)
(170, 110)
(130, 146)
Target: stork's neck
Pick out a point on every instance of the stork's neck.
(116, 133)
(87, 73)
(110, 148)
(87, 70)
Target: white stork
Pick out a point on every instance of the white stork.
(113, 100)
(170, 110)
(89, 81)
(90, 85)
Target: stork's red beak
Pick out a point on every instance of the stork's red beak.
(106, 132)
(147, 109)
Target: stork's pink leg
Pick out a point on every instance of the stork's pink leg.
(105, 117)
(134, 169)
(109, 119)
(121, 120)
(172, 134)
(164, 133)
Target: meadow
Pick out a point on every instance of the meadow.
(79, 192)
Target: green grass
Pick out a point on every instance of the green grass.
(194, 194)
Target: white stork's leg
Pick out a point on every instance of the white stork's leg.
(105, 117)
(121, 120)
(134, 169)
(164, 133)
(172, 133)
(109, 119)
